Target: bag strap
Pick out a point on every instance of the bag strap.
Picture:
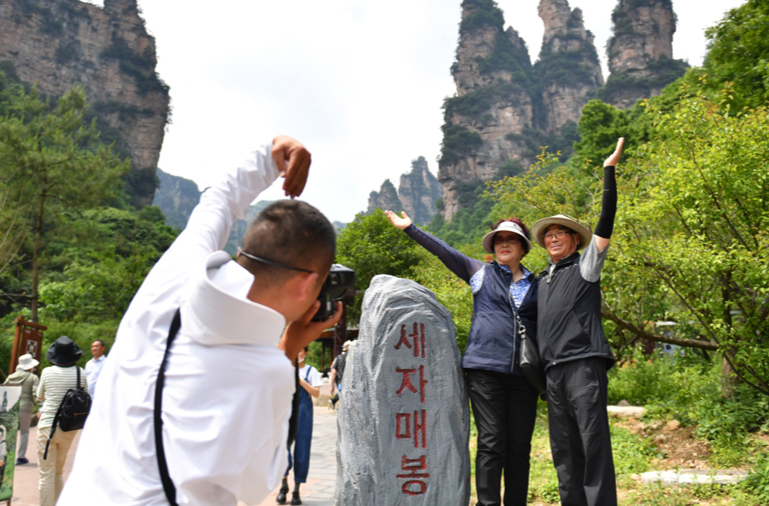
(168, 485)
(521, 327)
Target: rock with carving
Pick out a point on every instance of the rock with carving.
(403, 419)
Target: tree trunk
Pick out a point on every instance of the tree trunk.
(38, 246)
(728, 379)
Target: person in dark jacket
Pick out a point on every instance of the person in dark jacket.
(504, 404)
(575, 352)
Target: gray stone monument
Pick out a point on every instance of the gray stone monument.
(403, 420)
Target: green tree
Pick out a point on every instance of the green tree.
(52, 161)
(371, 245)
(693, 222)
(739, 54)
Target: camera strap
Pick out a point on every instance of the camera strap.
(168, 485)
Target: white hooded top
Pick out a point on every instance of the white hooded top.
(228, 389)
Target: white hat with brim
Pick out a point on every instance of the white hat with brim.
(505, 226)
(539, 228)
(27, 363)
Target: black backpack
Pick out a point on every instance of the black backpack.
(72, 411)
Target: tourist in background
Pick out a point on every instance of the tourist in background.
(337, 372)
(504, 403)
(309, 380)
(54, 383)
(93, 366)
(28, 381)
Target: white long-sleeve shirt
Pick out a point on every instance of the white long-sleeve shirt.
(92, 370)
(228, 389)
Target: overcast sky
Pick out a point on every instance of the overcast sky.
(360, 83)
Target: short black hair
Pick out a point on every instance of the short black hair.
(292, 233)
(103, 344)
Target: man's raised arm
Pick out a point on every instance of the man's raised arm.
(605, 224)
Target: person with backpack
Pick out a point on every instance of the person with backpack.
(28, 381)
(55, 382)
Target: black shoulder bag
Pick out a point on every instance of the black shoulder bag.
(168, 485)
(529, 361)
(72, 412)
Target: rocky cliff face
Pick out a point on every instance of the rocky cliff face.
(641, 51)
(486, 120)
(385, 199)
(505, 108)
(177, 197)
(61, 43)
(568, 68)
(418, 191)
(417, 194)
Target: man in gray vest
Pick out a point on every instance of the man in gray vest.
(575, 351)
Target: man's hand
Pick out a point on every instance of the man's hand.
(286, 149)
(613, 159)
(401, 222)
(303, 331)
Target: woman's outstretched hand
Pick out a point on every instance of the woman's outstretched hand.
(398, 221)
(613, 159)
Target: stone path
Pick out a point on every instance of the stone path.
(25, 491)
(319, 489)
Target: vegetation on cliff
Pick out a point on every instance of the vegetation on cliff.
(76, 248)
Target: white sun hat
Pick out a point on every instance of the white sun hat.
(505, 226)
(27, 363)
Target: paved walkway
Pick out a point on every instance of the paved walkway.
(318, 491)
(26, 477)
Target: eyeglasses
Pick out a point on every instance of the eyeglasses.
(556, 235)
(510, 239)
(270, 262)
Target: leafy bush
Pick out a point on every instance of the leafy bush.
(757, 482)
(487, 14)
(458, 142)
(476, 103)
(666, 71)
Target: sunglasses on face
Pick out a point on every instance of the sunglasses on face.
(511, 239)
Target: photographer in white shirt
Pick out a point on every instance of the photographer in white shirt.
(224, 435)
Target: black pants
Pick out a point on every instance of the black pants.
(579, 433)
(505, 409)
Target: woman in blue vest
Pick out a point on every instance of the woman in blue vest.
(309, 380)
(504, 404)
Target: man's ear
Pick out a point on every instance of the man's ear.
(305, 282)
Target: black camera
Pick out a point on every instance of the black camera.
(339, 282)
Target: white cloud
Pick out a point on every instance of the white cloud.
(360, 83)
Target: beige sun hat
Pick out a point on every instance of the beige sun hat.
(505, 226)
(346, 345)
(27, 363)
(538, 230)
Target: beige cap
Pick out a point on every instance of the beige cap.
(538, 230)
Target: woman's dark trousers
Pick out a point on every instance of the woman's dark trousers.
(505, 409)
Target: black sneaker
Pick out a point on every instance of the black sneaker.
(296, 499)
(22, 461)
(281, 497)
